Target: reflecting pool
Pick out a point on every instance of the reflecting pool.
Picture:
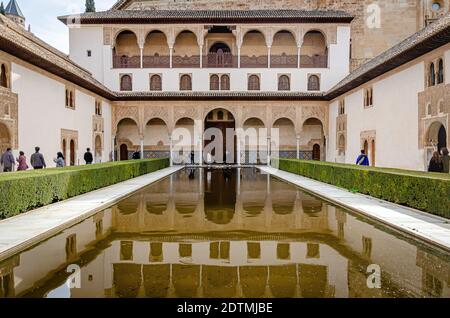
(226, 233)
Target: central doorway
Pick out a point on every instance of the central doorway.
(222, 120)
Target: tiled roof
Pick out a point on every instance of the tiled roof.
(426, 40)
(222, 16)
(13, 9)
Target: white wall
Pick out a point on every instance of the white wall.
(42, 115)
(83, 39)
(91, 37)
(394, 116)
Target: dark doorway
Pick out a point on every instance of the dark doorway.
(442, 138)
(316, 152)
(222, 120)
(72, 152)
(123, 152)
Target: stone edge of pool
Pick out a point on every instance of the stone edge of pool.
(25, 230)
(429, 228)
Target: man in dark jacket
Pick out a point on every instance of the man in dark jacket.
(363, 160)
(445, 161)
(37, 160)
(88, 158)
(7, 161)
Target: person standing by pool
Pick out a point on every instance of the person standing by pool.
(22, 160)
(60, 163)
(445, 161)
(37, 160)
(362, 160)
(435, 163)
(7, 161)
(88, 158)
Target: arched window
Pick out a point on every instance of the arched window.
(284, 83)
(214, 83)
(126, 83)
(225, 82)
(155, 83)
(313, 83)
(253, 83)
(71, 99)
(342, 107)
(432, 78)
(67, 98)
(429, 111)
(440, 77)
(370, 92)
(3, 76)
(185, 83)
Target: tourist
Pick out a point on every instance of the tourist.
(136, 155)
(192, 157)
(88, 158)
(445, 160)
(60, 163)
(37, 160)
(7, 161)
(362, 160)
(22, 160)
(435, 163)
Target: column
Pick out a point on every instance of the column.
(238, 148)
(268, 150)
(239, 57)
(171, 153)
(299, 52)
(142, 147)
(298, 147)
(171, 56)
(269, 49)
(142, 57)
(201, 56)
(113, 141)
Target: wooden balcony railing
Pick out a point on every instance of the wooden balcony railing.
(279, 61)
(316, 61)
(254, 61)
(186, 61)
(220, 60)
(126, 61)
(156, 61)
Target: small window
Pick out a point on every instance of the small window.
(126, 83)
(89, 53)
(284, 83)
(98, 108)
(429, 110)
(214, 83)
(342, 107)
(220, 115)
(155, 83)
(253, 83)
(225, 82)
(70, 98)
(440, 76)
(3, 76)
(368, 97)
(185, 82)
(313, 83)
(432, 75)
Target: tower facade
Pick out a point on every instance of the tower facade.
(13, 12)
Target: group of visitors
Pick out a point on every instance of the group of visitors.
(440, 162)
(37, 160)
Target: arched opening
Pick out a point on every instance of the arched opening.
(127, 280)
(127, 137)
(254, 133)
(184, 143)
(214, 82)
(155, 82)
(186, 280)
(5, 138)
(440, 77)
(284, 83)
(126, 51)
(156, 50)
(156, 139)
(126, 83)
(64, 148)
(220, 205)
(254, 50)
(72, 152)
(3, 76)
(287, 143)
(283, 280)
(283, 197)
(341, 145)
(313, 83)
(219, 132)
(432, 75)
(284, 50)
(366, 147)
(156, 280)
(186, 50)
(442, 138)
(316, 152)
(225, 82)
(219, 282)
(253, 193)
(254, 83)
(123, 152)
(314, 51)
(185, 83)
(186, 192)
(98, 149)
(313, 140)
(220, 55)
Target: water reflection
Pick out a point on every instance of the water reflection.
(203, 233)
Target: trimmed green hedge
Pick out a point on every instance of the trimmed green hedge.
(424, 191)
(24, 191)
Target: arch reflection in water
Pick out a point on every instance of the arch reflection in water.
(220, 195)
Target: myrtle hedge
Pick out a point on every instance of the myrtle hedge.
(24, 191)
(424, 191)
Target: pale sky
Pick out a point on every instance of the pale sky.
(42, 15)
